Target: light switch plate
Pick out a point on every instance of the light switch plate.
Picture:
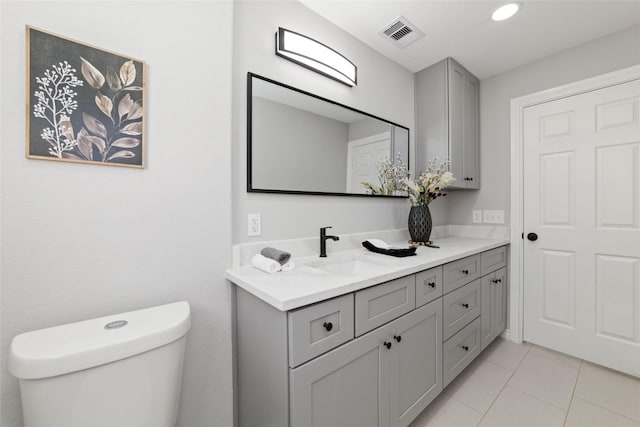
(477, 217)
(493, 217)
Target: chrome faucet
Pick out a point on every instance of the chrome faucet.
(323, 241)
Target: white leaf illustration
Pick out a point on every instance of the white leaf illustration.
(121, 154)
(128, 73)
(124, 105)
(94, 125)
(126, 143)
(134, 128)
(104, 103)
(91, 74)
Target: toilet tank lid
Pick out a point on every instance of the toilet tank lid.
(75, 346)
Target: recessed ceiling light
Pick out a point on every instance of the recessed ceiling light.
(505, 12)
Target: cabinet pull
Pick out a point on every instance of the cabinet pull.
(431, 284)
(465, 347)
(387, 344)
(465, 305)
(328, 326)
(464, 271)
(495, 281)
(397, 338)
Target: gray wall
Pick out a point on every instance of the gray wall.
(309, 153)
(616, 51)
(294, 216)
(367, 127)
(82, 241)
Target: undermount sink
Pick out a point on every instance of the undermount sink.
(358, 265)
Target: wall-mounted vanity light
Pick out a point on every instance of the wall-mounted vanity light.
(316, 56)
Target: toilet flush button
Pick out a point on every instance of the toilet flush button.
(116, 324)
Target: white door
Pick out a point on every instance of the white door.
(582, 199)
(363, 157)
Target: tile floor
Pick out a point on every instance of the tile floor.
(523, 385)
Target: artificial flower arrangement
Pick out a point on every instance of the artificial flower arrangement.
(429, 184)
(390, 176)
(395, 179)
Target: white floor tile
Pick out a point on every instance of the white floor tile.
(505, 354)
(446, 412)
(549, 380)
(585, 414)
(609, 389)
(516, 409)
(479, 385)
(555, 355)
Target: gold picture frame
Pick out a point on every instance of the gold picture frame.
(84, 104)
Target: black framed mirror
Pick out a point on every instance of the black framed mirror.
(302, 143)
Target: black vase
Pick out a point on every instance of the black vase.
(420, 223)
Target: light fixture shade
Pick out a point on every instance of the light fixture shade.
(505, 11)
(316, 56)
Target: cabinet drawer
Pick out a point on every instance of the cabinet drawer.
(460, 350)
(428, 285)
(380, 304)
(461, 272)
(318, 328)
(493, 260)
(460, 307)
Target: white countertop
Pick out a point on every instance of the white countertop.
(307, 285)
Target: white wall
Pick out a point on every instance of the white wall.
(613, 52)
(384, 89)
(81, 241)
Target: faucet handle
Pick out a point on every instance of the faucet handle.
(324, 228)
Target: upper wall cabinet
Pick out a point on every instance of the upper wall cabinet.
(447, 115)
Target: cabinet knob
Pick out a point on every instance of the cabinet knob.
(464, 271)
(470, 178)
(328, 326)
(465, 305)
(397, 338)
(431, 284)
(387, 344)
(465, 347)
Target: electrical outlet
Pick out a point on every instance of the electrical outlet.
(494, 217)
(254, 225)
(477, 217)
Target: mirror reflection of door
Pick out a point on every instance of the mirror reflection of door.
(363, 157)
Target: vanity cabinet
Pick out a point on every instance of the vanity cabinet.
(372, 357)
(396, 368)
(447, 111)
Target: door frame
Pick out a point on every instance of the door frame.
(516, 253)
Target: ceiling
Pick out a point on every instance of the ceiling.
(463, 29)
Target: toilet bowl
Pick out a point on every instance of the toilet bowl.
(123, 370)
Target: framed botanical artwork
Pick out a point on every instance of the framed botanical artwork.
(84, 104)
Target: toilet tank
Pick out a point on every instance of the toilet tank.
(123, 370)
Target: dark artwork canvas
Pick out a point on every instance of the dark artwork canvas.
(84, 104)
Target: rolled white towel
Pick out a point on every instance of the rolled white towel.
(265, 264)
(288, 266)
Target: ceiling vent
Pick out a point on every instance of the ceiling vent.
(401, 32)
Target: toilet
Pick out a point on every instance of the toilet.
(123, 370)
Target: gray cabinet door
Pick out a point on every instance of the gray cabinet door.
(499, 302)
(345, 387)
(463, 91)
(494, 306)
(415, 365)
